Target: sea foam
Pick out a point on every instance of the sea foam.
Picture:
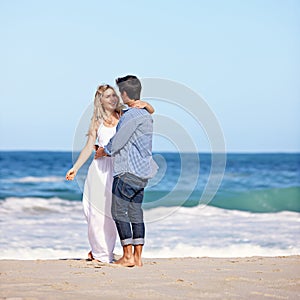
(37, 228)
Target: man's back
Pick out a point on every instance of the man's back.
(132, 144)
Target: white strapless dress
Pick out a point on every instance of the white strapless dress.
(96, 200)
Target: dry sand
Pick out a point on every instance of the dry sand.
(174, 278)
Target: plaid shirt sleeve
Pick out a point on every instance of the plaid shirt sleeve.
(125, 129)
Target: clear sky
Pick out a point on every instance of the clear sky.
(242, 57)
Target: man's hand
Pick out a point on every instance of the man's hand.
(100, 153)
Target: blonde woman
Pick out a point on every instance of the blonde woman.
(97, 192)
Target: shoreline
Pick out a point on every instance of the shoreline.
(254, 277)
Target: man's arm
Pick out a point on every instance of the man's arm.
(125, 130)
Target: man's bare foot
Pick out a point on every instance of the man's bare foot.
(125, 262)
(137, 254)
(138, 261)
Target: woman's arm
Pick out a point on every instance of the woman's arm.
(143, 104)
(83, 157)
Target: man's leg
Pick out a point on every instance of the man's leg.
(119, 210)
(137, 254)
(135, 213)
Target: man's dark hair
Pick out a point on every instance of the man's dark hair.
(131, 85)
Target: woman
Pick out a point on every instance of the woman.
(98, 184)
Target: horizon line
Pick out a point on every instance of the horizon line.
(170, 151)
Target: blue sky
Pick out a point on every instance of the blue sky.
(242, 57)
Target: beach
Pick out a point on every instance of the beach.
(243, 245)
(168, 278)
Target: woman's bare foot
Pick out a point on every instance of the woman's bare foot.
(90, 256)
(125, 261)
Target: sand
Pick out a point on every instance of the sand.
(173, 278)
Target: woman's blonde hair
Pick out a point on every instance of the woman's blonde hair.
(99, 114)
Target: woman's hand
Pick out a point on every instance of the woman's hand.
(139, 104)
(142, 104)
(71, 174)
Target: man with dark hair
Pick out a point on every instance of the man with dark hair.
(131, 148)
(131, 85)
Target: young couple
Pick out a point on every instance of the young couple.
(114, 187)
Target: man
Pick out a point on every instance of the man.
(131, 148)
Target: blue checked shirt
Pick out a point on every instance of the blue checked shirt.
(131, 146)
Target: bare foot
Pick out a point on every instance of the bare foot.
(138, 261)
(125, 262)
(90, 256)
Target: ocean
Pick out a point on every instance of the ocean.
(255, 211)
